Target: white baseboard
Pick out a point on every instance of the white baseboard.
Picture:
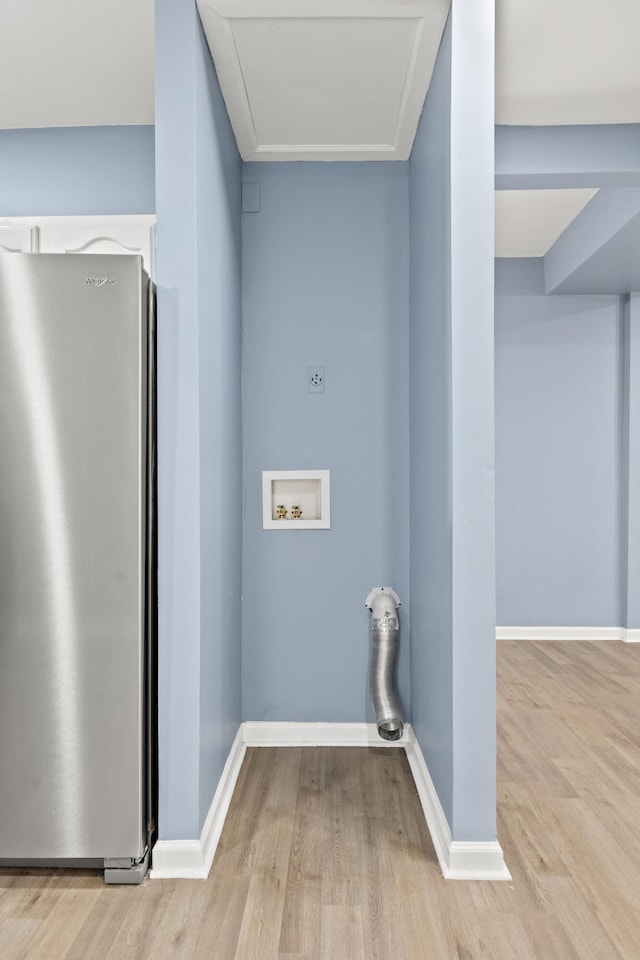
(278, 734)
(192, 859)
(632, 635)
(177, 860)
(459, 860)
(563, 633)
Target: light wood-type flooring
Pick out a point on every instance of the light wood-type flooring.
(325, 854)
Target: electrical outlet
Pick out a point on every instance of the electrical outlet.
(315, 379)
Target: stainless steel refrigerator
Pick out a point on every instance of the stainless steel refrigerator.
(77, 562)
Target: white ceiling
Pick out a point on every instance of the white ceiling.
(82, 62)
(76, 62)
(567, 61)
(544, 215)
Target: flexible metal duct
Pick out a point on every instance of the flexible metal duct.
(384, 631)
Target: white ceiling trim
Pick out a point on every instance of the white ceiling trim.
(324, 80)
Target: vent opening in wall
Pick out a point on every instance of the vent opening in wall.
(295, 499)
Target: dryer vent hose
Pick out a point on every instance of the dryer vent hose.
(384, 631)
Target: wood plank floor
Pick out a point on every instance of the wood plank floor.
(325, 856)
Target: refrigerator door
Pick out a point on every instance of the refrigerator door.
(73, 358)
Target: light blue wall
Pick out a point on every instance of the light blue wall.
(558, 409)
(77, 171)
(597, 155)
(472, 390)
(452, 459)
(430, 503)
(325, 282)
(198, 208)
(631, 464)
(219, 173)
(598, 251)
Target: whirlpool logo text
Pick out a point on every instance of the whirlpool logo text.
(100, 281)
